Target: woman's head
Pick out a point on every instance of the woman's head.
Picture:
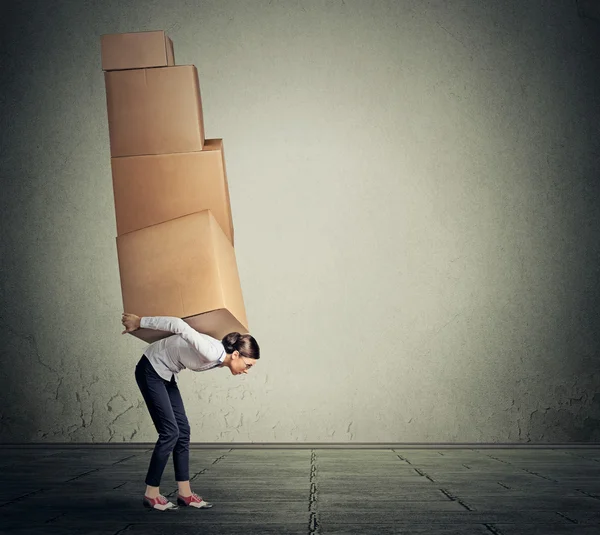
(242, 352)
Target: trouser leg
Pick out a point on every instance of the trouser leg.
(154, 391)
(181, 451)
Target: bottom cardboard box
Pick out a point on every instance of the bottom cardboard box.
(186, 268)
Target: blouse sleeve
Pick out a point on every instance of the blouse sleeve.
(197, 340)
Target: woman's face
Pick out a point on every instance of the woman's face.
(240, 364)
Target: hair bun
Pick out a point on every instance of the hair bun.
(230, 341)
(244, 343)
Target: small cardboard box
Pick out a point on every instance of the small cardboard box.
(136, 50)
(184, 267)
(152, 189)
(154, 111)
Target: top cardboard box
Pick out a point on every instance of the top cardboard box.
(138, 50)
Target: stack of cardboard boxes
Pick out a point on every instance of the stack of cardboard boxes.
(174, 225)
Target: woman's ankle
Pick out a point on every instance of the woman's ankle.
(184, 488)
(152, 492)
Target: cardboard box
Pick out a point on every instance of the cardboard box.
(154, 111)
(184, 267)
(152, 189)
(137, 50)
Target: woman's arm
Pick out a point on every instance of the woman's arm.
(173, 325)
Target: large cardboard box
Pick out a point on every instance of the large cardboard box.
(154, 111)
(152, 189)
(184, 267)
(136, 50)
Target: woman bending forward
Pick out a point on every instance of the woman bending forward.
(156, 375)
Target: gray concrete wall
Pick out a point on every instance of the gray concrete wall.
(415, 194)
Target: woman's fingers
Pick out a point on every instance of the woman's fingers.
(130, 322)
(125, 321)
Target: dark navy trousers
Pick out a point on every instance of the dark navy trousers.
(165, 405)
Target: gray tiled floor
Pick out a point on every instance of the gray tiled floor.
(97, 491)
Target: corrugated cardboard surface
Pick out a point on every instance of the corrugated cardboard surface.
(228, 199)
(228, 273)
(154, 111)
(136, 50)
(181, 268)
(152, 189)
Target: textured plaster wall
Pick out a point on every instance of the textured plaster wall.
(415, 194)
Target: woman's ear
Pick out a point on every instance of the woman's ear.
(235, 354)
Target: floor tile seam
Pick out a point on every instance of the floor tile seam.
(123, 530)
(421, 472)
(58, 485)
(102, 468)
(313, 521)
(17, 463)
(21, 498)
(567, 517)
(492, 528)
(203, 471)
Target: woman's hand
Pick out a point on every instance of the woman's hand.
(131, 322)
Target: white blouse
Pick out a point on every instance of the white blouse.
(187, 349)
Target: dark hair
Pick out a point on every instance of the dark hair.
(244, 343)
